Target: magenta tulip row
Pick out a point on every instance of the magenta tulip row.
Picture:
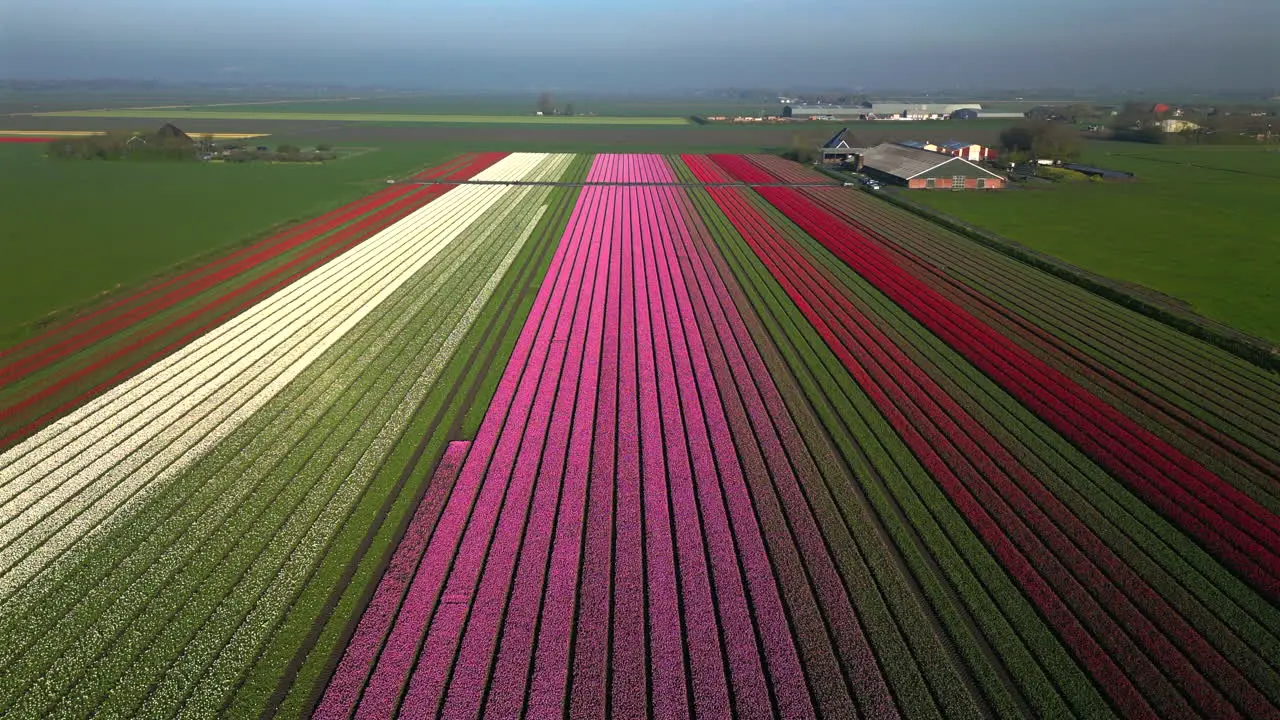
(627, 530)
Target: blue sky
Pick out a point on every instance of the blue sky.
(651, 45)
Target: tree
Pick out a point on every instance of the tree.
(1134, 116)
(286, 149)
(546, 104)
(324, 147)
(786, 111)
(568, 109)
(1042, 139)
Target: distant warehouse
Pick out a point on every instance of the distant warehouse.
(883, 111)
(924, 169)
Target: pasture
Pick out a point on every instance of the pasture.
(73, 230)
(1198, 225)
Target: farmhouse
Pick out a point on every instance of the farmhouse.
(837, 149)
(923, 169)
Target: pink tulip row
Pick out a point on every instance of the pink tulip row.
(608, 541)
(362, 650)
(630, 169)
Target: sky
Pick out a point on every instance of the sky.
(650, 45)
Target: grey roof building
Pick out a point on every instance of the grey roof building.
(917, 168)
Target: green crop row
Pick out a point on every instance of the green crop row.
(1224, 610)
(1181, 369)
(321, 428)
(1012, 656)
(468, 381)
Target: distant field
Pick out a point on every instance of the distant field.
(1199, 225)
(506, 106)
(178, 115)
(70, 230)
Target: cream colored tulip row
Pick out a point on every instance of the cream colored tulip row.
(60, 484)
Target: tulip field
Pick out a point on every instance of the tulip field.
(670, 436)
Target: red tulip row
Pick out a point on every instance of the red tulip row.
(225, 288)
(53, 343)
(705, 170)
(1169, 416)
(1245, 535)
(1066, 570)
(787, 171)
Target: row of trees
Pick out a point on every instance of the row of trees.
(178, 148)
(124, 146)
(1039, 140)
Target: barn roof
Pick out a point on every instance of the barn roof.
(907, 162)
(169, 130)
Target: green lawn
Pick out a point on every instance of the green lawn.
(71, 230)
(1199, 225)
(178, 114)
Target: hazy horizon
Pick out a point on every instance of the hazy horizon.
(520, 45)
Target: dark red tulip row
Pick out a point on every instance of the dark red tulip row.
(787, 171)
(1242, 533)
(1078, 583)
(705, 170)
(1204, 437)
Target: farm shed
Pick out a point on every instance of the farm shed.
(969, 151)
(920, 111)
(922, 169)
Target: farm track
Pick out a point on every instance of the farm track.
(629, 436)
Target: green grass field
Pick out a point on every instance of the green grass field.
(71, 230)
(178, 114)
(1199, 225)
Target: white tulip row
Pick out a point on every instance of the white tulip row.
(275, 591)
(61, 483)
(355, 440)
